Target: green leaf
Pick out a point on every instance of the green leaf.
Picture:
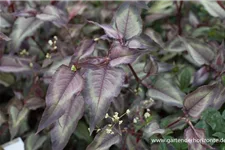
(223, 79)
(82, 132)
(17, 118)
(214, 119)
(185, 77)
(220, 135)
(34, 142)
(6, 79)
(128, 21)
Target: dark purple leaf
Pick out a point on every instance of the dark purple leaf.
(196, 102)
(26, 13)
(110, 32)
(66, 125)
(4, 37)
(122, 55)
(34, 103)
(22, 28)
(196, 138)
(86, 48)
(104, 140)
(54, 15)
(133, 144)
(128, 20)
(64, 85)
(200, 76)
(219, 98)
(16, 64)
(101, 86)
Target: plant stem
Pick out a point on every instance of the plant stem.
(136, 77)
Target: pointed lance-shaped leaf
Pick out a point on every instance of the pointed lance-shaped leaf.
(34, 142)
(109, 30)
(64, 85)
(164, 90)
(200, 76)
(86, 48)
(54, 15)
(196, 139)
(196, 102)
(151, 67)
(104, 140)
(17, 117)
(66, 125)
(152, 129)
(200, 52)
(213, 8)
(128, 20)
(22, 28)
(102, 84)
(219, 98)
(122, 55)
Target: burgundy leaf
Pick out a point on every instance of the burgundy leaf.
(219, 98)
(110, 32)
(200, 76)
(34, 103)
(196, 138)
(101, 86)
(4, 37)
(104, 140)
(122, 55)
(152, 129)
(64, 85)
(54, 15)
(86, 48)
(16, 64)
(66, 125)
(196, 102)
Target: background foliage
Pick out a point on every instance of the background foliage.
(112, 75)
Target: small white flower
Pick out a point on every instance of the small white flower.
(31, 64)
(135, 120)
(121, 121)
(55, 47)
(146, 115)
(50, 42)
(48, 55)
(115, 116)
(55, 37)
(112, 132)
(108, 131)
(98, 130)
(128, 111)
(109, 125)
(148, 110)
(106, 115)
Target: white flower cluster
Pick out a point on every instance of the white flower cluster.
(53, 42)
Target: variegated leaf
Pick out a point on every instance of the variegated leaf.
(200, 52)
(17, 117)
(34, 142)
(101, 86)
(196, 102)
(66, 125)
(196, 139)
(104, 140)
(128, 21)
(64, 85)
(110, 32)
(122, 55)
(22, 28)
(165, 91)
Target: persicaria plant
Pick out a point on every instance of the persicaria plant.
(125, 85)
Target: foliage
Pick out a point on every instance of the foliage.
(82, 78)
